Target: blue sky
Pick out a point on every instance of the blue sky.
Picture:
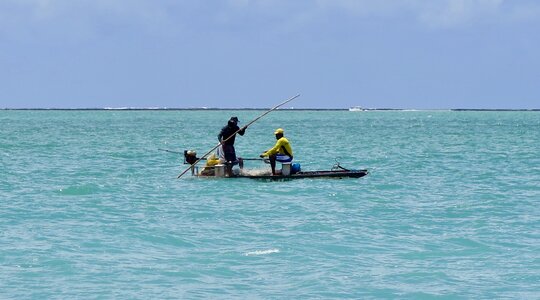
(420, 54)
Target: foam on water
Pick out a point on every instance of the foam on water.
(262, 252)
(256, 171)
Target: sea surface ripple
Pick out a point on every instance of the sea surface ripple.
(91, 209)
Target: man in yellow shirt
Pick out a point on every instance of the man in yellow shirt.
(282, 151)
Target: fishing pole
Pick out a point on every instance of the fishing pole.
(170, 151)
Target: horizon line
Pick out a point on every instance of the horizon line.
(280, 109)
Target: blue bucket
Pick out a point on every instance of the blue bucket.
(295, 168)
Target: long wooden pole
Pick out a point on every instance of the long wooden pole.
(255, 120)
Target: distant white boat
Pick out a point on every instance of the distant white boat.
(356, 108)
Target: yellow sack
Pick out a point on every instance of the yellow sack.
(211, 161)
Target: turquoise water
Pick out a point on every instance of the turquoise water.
(91, 209)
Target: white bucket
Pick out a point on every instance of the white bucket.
(219, 170)
(286, 169)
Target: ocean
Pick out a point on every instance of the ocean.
(90, 208)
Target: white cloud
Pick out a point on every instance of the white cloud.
(524, 12)
(79, 19)
(453, 13)
(365, 7)
(430, 13)
(26, 17)
(439, 13)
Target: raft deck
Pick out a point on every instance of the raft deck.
(310, 174)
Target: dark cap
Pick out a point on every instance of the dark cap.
(234, 119)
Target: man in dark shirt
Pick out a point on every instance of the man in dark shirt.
(228, 143)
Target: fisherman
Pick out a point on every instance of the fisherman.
(227, 137)
(282, 151)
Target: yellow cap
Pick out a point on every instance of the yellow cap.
(279, 130)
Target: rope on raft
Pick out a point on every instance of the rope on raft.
(337, 166)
